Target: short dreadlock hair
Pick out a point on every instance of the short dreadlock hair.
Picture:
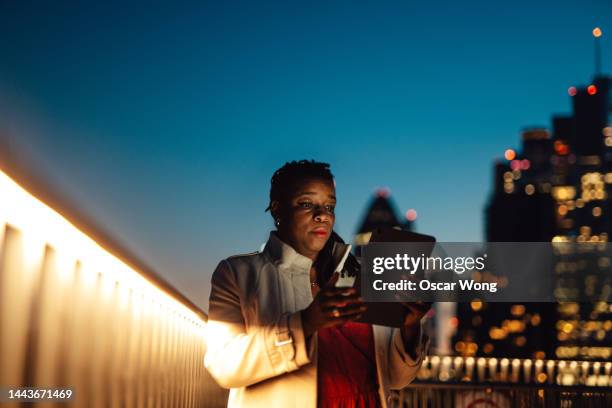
(284, 179)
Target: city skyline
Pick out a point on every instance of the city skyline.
(555, 189)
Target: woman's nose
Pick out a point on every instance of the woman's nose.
(321, 213)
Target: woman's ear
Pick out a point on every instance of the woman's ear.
(275, 210)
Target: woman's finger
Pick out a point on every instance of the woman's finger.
(346, 310)
(343, 297)
(331, 291)
(341, 300)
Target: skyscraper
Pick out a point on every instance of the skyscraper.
(557, 188)
(381, 213)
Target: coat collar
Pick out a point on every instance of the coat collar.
(284, 254)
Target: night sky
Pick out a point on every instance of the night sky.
(164, 123)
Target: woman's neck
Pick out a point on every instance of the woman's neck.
(310, 255)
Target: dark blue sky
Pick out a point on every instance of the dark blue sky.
(165, 122)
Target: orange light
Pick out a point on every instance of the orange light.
(454, 322)
(561, 148)
(572, 91)
(597, 32)
(592, 89)
(509, 154)
(411, 214)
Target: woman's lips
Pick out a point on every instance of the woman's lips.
(320, 233)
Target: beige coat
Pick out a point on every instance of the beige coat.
(255, 343)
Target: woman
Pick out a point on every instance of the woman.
(280, 334)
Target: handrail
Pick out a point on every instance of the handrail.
(44, 191)
(491, 371)
(75, 316)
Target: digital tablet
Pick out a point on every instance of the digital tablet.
(392, 313)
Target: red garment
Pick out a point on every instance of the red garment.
(346, 372)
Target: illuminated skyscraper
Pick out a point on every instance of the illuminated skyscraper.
(556, 188)
(382, 213)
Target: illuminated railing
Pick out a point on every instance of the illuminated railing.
(480, 370)
(72, 315)
(462, 382)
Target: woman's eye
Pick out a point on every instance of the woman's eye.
(330, 208)
(305, 205)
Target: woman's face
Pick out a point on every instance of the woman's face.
(307, 219)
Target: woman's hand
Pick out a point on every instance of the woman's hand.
(332, 306)
(411, 330)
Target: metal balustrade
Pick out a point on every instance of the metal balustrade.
(469, 382)
(73, 315)
(481, 370)
(500, 396)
